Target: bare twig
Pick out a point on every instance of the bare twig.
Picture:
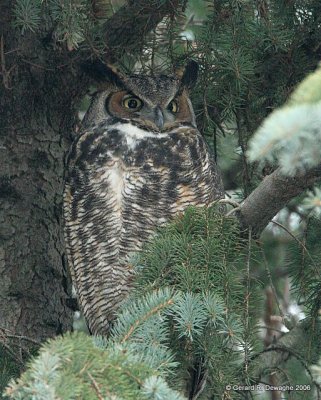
(286, 353)
(247, 300)
(36, 65)
(6, 333)
(271, 335)
(25, 338)
(96, 387)
(13, 344)
(272, 287)
(3, 69)
(231, 202)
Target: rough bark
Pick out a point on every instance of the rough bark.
(36, 116)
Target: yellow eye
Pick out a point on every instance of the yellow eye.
(133, 103)
(173, 106)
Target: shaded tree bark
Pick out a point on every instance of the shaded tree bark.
(37, 112)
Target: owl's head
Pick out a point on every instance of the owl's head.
(158, 102)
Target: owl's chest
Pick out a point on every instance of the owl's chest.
(137, 148)
(163, 173)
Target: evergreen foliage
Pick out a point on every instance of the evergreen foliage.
(74, 367)
(194, 312)
(192, 315)
(8, 368)
(185, 316)
(291, 135)
(27, 14)
(69, 21)
(305, 268)
(253, 54)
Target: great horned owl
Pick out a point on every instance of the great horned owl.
(138, 162)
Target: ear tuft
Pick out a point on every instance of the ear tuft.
(102, 72)
(188, 75)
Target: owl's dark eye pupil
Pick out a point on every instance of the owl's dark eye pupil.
(132, 103)
(173, 106)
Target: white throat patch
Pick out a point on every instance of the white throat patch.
(134, 134)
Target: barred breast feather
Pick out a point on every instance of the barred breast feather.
(122, 183)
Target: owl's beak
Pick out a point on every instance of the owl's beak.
(159, 118)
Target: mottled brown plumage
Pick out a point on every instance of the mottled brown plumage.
(131, 170)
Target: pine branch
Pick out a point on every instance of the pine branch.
(74, 367)
(145, 317)
(127, 28)
(274, 192)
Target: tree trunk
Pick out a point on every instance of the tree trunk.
(31, 248)
(37, 115)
